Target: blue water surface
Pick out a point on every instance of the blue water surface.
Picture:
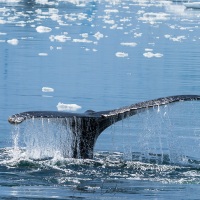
(100, 55)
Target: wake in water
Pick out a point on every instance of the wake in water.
(106, 173)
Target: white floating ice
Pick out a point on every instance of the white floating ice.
(121, 54)
(1, 33)
(43, 2)
(98, 35)
(111, 11)
(43, 29)
(150, 55)
(153, 17)
(136, 35)
(2, 21)
(148, 49)
(59, 38)
(84, 35)
(67, 107)
(175, 39)
(43, 54)
(13, 41)
(47, 89)
(82, 40)
(129, 44)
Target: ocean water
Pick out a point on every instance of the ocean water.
(77, 55)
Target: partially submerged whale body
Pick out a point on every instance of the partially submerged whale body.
(87, 126)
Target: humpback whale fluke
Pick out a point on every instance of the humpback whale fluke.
(89, 125)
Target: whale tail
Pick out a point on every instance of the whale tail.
(87, 126)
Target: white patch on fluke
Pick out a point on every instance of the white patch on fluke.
(47, 89)
(67, 107)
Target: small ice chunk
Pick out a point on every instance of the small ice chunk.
(59, 38)
(82, 40)
(150, 55)
(109, 21)
(67, 107)
(84, 35)
(2, 21)
(148, 49)
(43, 54)
(167, 36)
(47, 96)
(178, 39)
(43, 29)
(121, 54)
(98, 35)
(47, 89)
(129, 44)
(136, 35)
(111, 11)
(13, 41)
(55, 17)
(175, 39)
(53, 11)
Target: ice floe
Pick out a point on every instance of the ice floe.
(82, 40)
(148, 49)
(2, 21)
(121, 54)
(67, 107)
(129, 44)
(43, 29)
(13, 41)
(175, 39)
(3, 33)
(152, 17)
(111, 11)
(136, 35)
(45, 2)
(43, 54)
(84, 35)
(98, 35)
(59, 38)
(10, 1)
(151, 54)
(47, 89)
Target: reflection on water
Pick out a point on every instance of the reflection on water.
(101, 55)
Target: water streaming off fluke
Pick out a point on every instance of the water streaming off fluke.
(147, 137)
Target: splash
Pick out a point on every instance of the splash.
(45, 138)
